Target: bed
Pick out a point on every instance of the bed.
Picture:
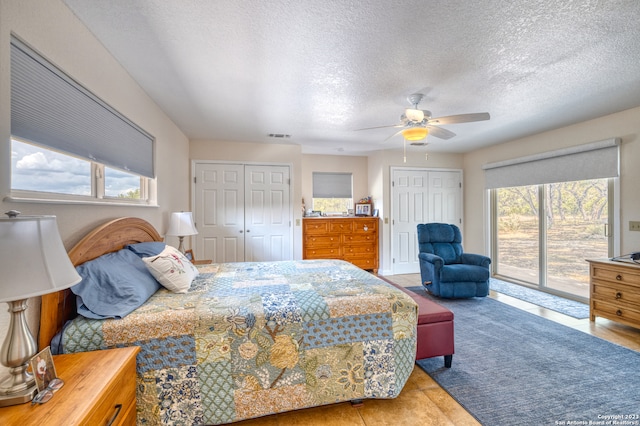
(247, 339)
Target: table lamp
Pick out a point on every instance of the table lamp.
(181, 225)
(33, 262)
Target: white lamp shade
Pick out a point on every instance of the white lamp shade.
(181, 224)
(33, 259)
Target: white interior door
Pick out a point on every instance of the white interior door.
(420, 196)
(410, 207)
(242, 212)
(267, 214)
(219, 212)
(445, 197)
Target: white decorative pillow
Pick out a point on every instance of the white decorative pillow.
(172, 269)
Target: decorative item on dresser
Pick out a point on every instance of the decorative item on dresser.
(615, 291)
(352, 239)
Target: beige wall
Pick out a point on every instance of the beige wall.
(53, 30)
(625, 125)
(259, 153)
(357, 166)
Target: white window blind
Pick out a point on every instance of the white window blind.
(50, 108)
(332, 185)
(596, 160)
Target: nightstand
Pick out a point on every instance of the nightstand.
(99, 388)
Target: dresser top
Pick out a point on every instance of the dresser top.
(622, 262)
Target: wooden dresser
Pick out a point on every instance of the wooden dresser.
(615, 291)
(99, 389)
(354, 239)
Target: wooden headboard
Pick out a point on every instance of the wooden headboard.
(59, 307)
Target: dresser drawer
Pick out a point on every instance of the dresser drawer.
(616, 312)
(117, 402)
(365, 225)
(615, 293)
(365, 262)
(361, 250)
(340, 226)
(315, 226)
(321, 240)
(618, 275)
(360, 238)
(322, 253)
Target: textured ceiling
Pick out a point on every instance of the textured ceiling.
(239, 70)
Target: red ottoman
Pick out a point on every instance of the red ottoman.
(435, 328)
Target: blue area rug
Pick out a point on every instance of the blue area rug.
(515, 368)
(540, 298)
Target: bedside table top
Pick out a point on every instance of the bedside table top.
(86, 375)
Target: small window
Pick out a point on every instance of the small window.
(121, 184)
(35, 168)
(332, 192)
(39, 172)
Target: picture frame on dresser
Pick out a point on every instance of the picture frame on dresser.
(363, 209)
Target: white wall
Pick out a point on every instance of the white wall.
(53, 30)
(625, 125)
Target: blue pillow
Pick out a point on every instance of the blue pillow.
(113, 285)
(149, 249)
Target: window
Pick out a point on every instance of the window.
(67, 143)
(38, 172)
(332, 192)
(552, 211)
(551, 256)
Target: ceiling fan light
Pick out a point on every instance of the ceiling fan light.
(415, 115)
(415, 133)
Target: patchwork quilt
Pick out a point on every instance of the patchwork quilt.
(251, 339)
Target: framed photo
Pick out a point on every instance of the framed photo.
(189, 255)
(363, 209)
(43, 369)
(375, 212)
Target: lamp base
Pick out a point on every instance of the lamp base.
(16, 398)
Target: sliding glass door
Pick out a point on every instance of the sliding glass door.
(544, 233)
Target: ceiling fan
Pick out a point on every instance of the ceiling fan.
(418, 123)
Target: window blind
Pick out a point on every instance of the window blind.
(594, 160)
(50, 108)
(332, 185)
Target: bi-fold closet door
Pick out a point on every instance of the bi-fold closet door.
(242, 212)
(420, 196)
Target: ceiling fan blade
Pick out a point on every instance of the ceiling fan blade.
(380, 127)
(395, 134)
(460, 118)
(440, 132)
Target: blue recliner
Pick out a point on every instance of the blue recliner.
(446, 270)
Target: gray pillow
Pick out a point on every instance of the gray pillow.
(113, 285)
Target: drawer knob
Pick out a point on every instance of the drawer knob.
(618, 277)
(619, 313)
(366, 228)
(618, 295)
